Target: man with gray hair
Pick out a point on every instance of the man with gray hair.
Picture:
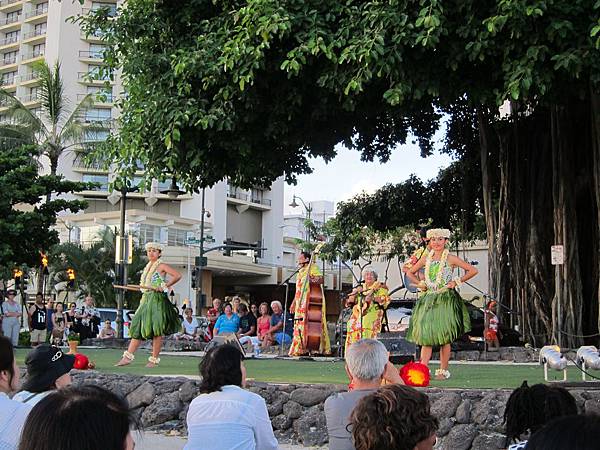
(367, 365)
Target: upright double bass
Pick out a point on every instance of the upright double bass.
(313, 316)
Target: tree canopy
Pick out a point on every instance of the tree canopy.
(26, 223)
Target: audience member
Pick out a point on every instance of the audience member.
(47, 369)
(218, 305)
(367, 365)
(247, 322)
(254, 309)
(71, 319)
(277, 332)
(529, 408)
(570, 432)
(189, 327)
(107, 332)
(212, 316)
(37, 321)
(228, 322)
(59, 323)
(79, 417)
(12, 413)
(235, 304)
(89, 319)
(263, 325)
(11, 313)
(49, 314)
(394, 417)
(225, 416)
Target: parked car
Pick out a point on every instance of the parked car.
(400, 310)
(111, 314)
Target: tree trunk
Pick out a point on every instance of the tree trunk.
(595, 126)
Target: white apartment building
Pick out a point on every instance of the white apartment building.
(32, 30)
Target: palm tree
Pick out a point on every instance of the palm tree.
(56, 129)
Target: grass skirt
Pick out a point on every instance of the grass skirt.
(438, 318)
(156, 316)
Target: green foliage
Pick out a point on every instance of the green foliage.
(25, 223)
(251, 90)
(94, 266)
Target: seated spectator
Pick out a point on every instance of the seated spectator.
(47, 369)
(79, 417)
(393, 417)
(228, 322)
(247, 322)
(235, 304)
(189, 327)
(12, 413)
(212, 316)
(254, 310)
(569, 432)
(107, 332)
(367, 365)
(225, 416)
(218, 305)
(263, 323)
(529, 408)
(279, 331)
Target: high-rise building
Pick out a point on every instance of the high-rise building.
(32, 30)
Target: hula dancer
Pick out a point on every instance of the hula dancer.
(440, 315)
(156, 316)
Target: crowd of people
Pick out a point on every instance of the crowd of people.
(51, 321)
(379, 412)
(256, 326)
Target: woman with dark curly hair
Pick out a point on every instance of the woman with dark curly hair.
(395, 417)
(225, 416)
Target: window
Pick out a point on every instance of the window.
(97, 114)
(13, 36)
(99, 73)
(149, 233)
(97, 51)
(112, 8)
(39, 29)
(102, 180)
(176, 236)
(41, 8)
(10, 57)
(102, 94)
(39, 49)
(9, 77)
(13, 16)
(96, 135)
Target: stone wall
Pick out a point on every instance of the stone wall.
(469, 419)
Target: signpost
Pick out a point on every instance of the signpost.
(557, 257)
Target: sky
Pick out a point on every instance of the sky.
(346, 175)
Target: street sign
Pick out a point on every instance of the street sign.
(201, 261)
(557, 255)
(192, 240)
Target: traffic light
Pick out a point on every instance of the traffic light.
(70, 277)
(194, 275)
(25, 280)
(17, 275)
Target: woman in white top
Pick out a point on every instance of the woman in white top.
(225, 416)
(47, 369)
(11, 313)
(12, 413)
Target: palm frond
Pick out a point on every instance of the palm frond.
(75, 128)
(51, 91)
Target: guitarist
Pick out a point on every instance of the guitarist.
(308, 269)
(370, 300)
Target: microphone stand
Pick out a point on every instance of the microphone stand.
(285, 308)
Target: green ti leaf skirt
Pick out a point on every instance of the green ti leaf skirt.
(156, 316)
(438, 319)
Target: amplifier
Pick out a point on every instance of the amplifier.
(401, 351)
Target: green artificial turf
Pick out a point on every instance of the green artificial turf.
(476, 375)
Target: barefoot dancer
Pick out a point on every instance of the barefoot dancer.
(156, 316)
(440, 315)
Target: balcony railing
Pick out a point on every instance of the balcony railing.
(9, 40)
(261, 201)
(239, 195)
(31, 55)
(34, 33)
(98, 34)
(98, 97)
(92, 54)
(30, 76)
(10, 20)
(36, 12)
(8, 60)
(7, 81)
(7, 2)
(112, 10)
(92, 76)
(30, 98)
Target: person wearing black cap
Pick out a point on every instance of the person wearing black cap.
(47, 369)
(11, 313)
(12, 413)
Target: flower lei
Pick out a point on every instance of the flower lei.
(438, 277)
(148, 273)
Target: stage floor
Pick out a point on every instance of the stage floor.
(488, 375)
